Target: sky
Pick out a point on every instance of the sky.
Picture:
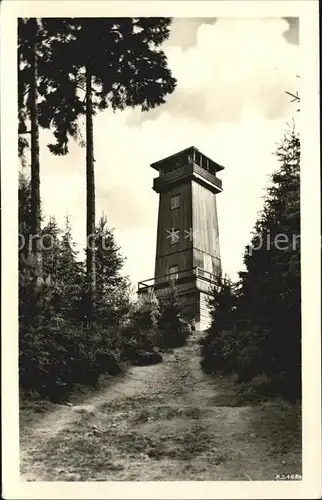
(230, 103)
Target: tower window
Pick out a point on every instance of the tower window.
(175, 201)
(173, 273)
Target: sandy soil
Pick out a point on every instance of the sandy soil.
(163, 422)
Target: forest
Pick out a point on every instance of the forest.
(77, 316)
(256, 322)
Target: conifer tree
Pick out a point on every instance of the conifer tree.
(272, 280)
(256, 327)
(24, 214)
(218, 344)
(115, 62)
(109, 260)
(36, 81)
(26, 263)
(112, 288)
(30, 44)
(63, 270)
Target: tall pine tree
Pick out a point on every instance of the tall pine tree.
(272, 282)
(37, 79)
(256, 328)
(115, 62)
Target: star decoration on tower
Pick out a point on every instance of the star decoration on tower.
(190, 234)
(173, 235)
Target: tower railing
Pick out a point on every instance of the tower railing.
(207, 175)
(175, 278)
(179, 173)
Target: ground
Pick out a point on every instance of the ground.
(164, 422)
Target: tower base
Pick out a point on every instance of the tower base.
(195, 307)
(194, 289)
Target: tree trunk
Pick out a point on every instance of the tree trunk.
(90, 196)
(35, 246)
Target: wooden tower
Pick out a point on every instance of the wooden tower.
(187, 252)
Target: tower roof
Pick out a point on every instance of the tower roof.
(181, 156)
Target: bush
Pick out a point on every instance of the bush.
(219, 351)
(108, 362)
(54, 358)
(174, 330)
(143, 358)
(140, 333)
(59, 345)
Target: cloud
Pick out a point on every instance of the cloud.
(292, 34)
(234, 62)
(184, 31)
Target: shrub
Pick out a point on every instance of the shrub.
(174, 329)
(140, 332)
(53, 358)
(59, 345)
(143, 358)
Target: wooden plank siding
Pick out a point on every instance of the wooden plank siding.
(206, 252)
(205, 317)
(180, 253)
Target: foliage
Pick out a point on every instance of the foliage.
(112, 300)
(58, 346)
(219, 346)
(123, 57)
(24, 213)
(115, 62)
(141, 328)
(34, 61)
(119, 64)
(256, 326)
(173, 327)
(63, 271)
(36, 38)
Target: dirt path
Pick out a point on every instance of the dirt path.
(163, 422)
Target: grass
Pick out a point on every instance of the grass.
(165, 422)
